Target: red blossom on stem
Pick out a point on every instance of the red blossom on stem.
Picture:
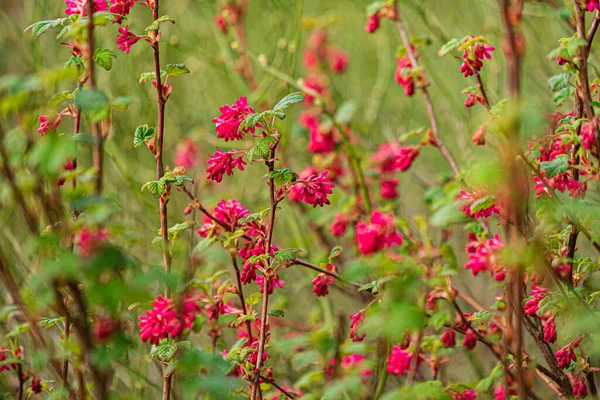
(122, 8)
(312, 188)
(483, 256)
(222, 162)
(36, 385)
(564, 356)
(579, 388)
(399, 360)
(187, 153)
(480, 201)
(339, 225)
(227, 124)
(80, 7)
(321, 284)
(377, 235)
(449, 338)
(357, 320)
(166, 319)
(126, 39)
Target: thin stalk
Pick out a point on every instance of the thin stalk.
(98, 152)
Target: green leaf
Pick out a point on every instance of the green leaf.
(164, 351)
(451, 45)
(39, 28)
(559, 81)
(155, 187)
(103, 57)
(181, 227)
(287, 101)
(482, 204)
(147, 76)
(142, 134)
(283, 176)
(250, 121)
(95, 103)
(260, 150)
(175, 70)
(286, 254)
(60, 96)
(276, 312)
(17, 330)
(345, 113)
(375, 286)
(574, 44)
(123, 102)
(204, 244)
(555, 167)
(160, 20)
(447, 215)
(375, 7)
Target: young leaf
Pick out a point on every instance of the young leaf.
(559, 81)
(555, 167)
(175, 70)
(103, 57)
(286, 254)
(451, 45)
(155, 187)
(283, 176)
(147, 76)
(142, 134)
(41, 27)
(123, 102)
(95, 103)
(293, 98)
(276, 312)
(60, 96)
(160, 20)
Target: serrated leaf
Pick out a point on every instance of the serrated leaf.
(164, 351)
(555, 167)
(17, 330)
(482, 204)
(146, 76)
(447, 215)
(155, 25)
(283, 176)
(95, 103)
(451, 45)
(103, 57)
(250, 121)
(559, 81)
(287, 101)
(276, 312)
(286, 254)
(60, 96)
(122, 103)
(204, 244)
(375, 7)
(175, 70)
(39, 28)
(181, 227)
(574, 45)
(375, 286)
(261, 149)
(142, 134)
(155, 187)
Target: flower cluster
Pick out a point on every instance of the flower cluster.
(121, 8)
(374, 17)
(227, 125)
(378, 234)
(399, 360)
(168, 319)
(89, 241)
(319, 52)
(126, 39)
(312, 188)
(537, 294)
(483, 254)
(478, 204)
(405, 74)
(80, 7)
(222, 162)
(475, 50)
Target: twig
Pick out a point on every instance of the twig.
(428, 103)
(240, 292)
(98, 154)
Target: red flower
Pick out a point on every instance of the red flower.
(579, 388)
(406, 156)
(550, 331)
(46, 124)
(339, 225)
(104, 328)
(357, 320)
(373, 23)
(273, 282)
(126, 39)
(404, 75)
(470, 340)
(80, 7)
(533, 305)
(223, 163)
(379, 234)
(321, 140)
(449, 338)
(473, 57)
(338, 61)
(248, 273)
(166, 320)
(399, 361)
(88, 241)
(4, 353)
(321, 284)
(311, 188)
(389, 188)
(591, 6)
(564, 356)
(588, 140)
(486, 208)
(482, 256)
(36, 385)
(230, 212)
(316, 85)
(228, 123)
(221, 23)
(121, 7)
(186, 154)
(464, 395)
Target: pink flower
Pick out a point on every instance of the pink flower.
(579, 388)
(4, 353)
(121, 7)
(379, 234)
(166, 320)
(404, 75)
(248, 273)
(389, 188)
(321, 140)
(89, 241)
(470, 340)
(483, 256)
(564, 356)
(449, 338)
(126, 39)
(311, 188)
(339, 225)
(321, 284)
(357, 320)
(273, 282)
(386, 156)
(373, 22)
(473, 99)
(46, 124)
(315, 84)
(478, 199)
(533, 305)
(223, 163)
(588, 139)
(338, 61)
(104, 328)
(593, 5)
(560, 182)
(228, 123)
(399, 361)
(308, 119)
(464, 395)
(406, 156)
(230, 212)
(221, 23)
(278, 394)
(550, 331)
(186, 154)
(80, 7)
(473, 56)
(36, 385)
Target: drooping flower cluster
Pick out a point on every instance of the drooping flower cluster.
(121, 8)
(36, 385)
(564, 356)
(167, 319)
(320, 53)
(378, 234)
(537, 294)
(228, 123)
(321, 284)
(312, 188)
(468, 394)
(187, 153)
(339, 225)
(222, 162)
(579, 387)
(80, 7)
(475, 50)
(391, 157)
(406, 76)
(374, 16)
(89, 240)
(230, 212)
(483, 256)
(478, 204)
(593, 5)
(399, 360)
(126, 39)
(357, 320)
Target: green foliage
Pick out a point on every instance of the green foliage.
(103, 57)
(143, 134)
(555, 167)
(155, 25)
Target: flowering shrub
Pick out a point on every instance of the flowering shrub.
(256, 226)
